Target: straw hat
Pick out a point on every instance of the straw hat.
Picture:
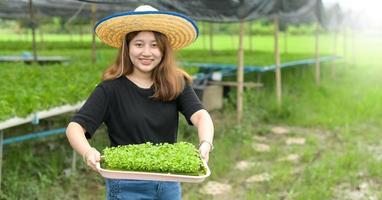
(179, 29)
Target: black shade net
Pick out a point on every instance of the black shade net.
(290, 11)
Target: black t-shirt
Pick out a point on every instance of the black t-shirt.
(131, 116)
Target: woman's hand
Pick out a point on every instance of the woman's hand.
(204, 150)
(203, 122)
(91, 157)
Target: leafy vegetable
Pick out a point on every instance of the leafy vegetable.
(178, 158)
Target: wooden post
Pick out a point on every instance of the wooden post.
(353, 47)
(1, 154)
(277, 60)
(74, 161)
(42, 46)
(335, 39)
(24, 35)
(70, 35)
(250, 35)
(240, 74)
(258, 79)
(344, 41)
(33, 23)
(233, 40)
(81, 33)
(203, 34)
(211, 38)
(93, 56)
(317, 51)
(286, 40)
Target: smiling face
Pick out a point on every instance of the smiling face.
(144, 52)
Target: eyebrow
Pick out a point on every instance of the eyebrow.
(139, 40)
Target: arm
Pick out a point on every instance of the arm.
(203, 122)
(76, 136)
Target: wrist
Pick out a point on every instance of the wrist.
(208, 143)
(84, 156)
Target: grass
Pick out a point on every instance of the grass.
(340, 122)
(300, 44)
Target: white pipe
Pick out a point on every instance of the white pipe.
(40, 115)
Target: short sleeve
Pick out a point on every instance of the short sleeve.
(93, 112)
(188, 103)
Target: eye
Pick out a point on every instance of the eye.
(154, 45)
(138, 44)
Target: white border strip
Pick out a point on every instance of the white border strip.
(40, 115)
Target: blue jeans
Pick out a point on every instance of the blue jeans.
(142, 190)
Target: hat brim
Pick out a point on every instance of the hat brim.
(179, 29)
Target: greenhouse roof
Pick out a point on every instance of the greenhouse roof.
(290, 11)
(16, 9)
(232, 10)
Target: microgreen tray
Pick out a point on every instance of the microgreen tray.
(119, 174)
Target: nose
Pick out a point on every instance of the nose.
(146, 51)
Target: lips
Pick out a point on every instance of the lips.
(146, 61)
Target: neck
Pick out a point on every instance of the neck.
(142, 80)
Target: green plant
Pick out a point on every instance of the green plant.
(179, 158)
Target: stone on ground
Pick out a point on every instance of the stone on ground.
(259, 178)
(279, 130)
(295, 140)
(215, 188)
(291, 158)
(244, 165)
(260, 147)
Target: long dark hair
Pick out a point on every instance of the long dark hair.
(169, 80)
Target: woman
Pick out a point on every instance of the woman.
(141, 95)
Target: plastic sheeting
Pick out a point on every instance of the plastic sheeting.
(334, 18)
(290, 11)
(301, 11)
(16, 9)
(235, 10)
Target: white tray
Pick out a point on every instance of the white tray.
(116, 174)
